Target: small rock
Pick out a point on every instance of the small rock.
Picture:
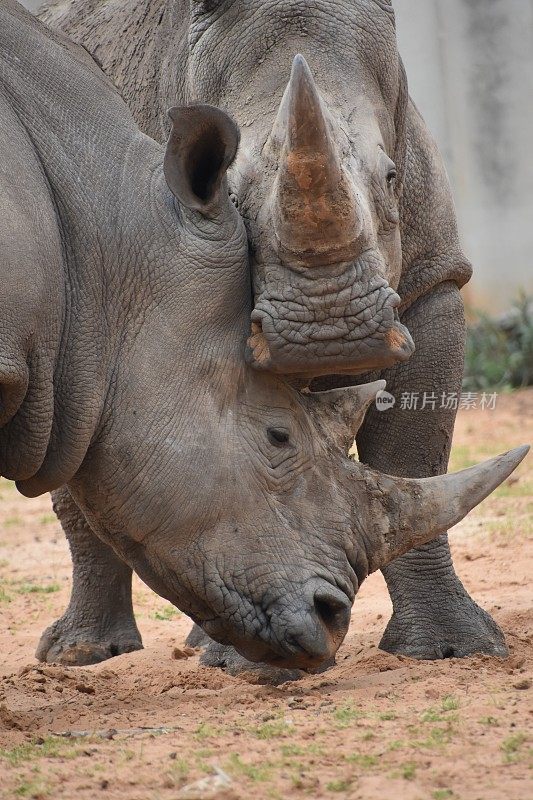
(84, 688)
(178, 653)
(523, 684)
(206, 787)
(104, 784)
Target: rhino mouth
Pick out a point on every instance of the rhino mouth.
(321, 328)
(290, 654)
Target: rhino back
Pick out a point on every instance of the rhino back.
(126, 39)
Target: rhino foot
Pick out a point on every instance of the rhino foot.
(79, 646)
(228, 659)
(456, 627)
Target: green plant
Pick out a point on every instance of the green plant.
(339, 785)
(499, 352)
(167, 613)
(409, 771)
(450, 703)
(273, 730)
(47, 519)
(345, 715)
(205, 731)
(4, 596)
(252, 771)
(10, 522)
(363, 760)
(50, 747)
(511, 747)
(491, 721)
(34, 588)
(36, 790)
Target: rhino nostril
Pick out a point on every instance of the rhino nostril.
(333, 611)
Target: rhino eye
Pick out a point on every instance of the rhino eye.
(277, 437)
(391, 176)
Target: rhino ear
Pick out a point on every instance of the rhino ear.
(342, 411)
(202, 144)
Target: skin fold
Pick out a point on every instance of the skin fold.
(344, 307)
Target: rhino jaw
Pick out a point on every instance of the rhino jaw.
(300, 333)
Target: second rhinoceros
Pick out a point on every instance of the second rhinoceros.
(123, 318)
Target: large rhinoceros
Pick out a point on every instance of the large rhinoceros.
(125, 296)
(352, 231)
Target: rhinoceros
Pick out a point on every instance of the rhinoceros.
(354, 245)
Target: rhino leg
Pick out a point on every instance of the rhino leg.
(434, 616)
(99, 622)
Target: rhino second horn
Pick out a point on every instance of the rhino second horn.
(404, 513)
(315, 213)
(350, 403)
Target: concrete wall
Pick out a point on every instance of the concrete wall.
(470, 69)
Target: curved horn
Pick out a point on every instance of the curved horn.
(314, 208)
(405, 513)
(344, 409)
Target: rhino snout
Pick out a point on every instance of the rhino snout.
(302, 631)
(328, 327)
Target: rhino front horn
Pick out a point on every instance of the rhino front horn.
(314, 209)
(406, 513)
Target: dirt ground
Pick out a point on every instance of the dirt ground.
(148, 726)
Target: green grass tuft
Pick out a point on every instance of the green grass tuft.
(339, 785)
(273, 730)
(512, 747)
(167, 614)
(251, 771)
(34, 588)
(364, 760)
(50, 747)
(346, 715)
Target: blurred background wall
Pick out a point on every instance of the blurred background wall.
(470, 69)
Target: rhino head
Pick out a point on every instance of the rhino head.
(319, 175)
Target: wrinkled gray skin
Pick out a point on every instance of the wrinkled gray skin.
(316, 316)
(125, 296)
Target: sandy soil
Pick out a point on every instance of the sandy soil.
(149, 726)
